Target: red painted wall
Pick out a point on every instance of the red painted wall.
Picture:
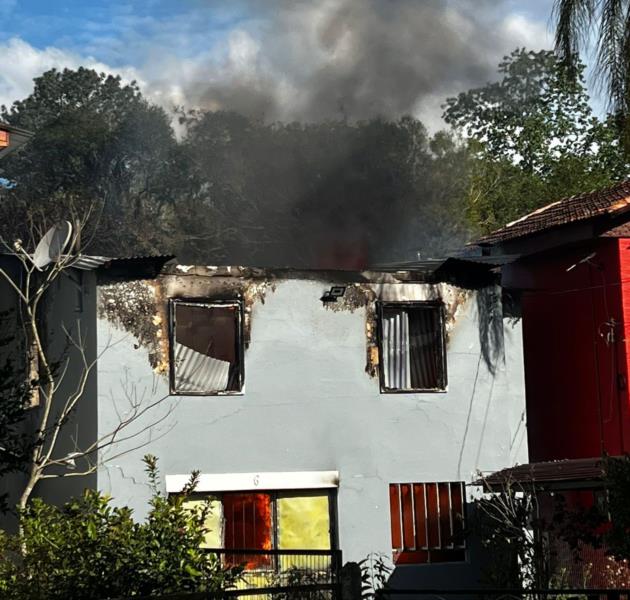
(574, 346)
(623, 245)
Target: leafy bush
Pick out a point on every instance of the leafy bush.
(617, 481)
(90, 549)
(376, 570)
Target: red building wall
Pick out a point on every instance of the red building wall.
(574, 338)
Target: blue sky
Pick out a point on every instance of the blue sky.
(282, 58)
(109, 30)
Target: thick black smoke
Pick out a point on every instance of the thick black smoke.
(311, 60)
(339, 188)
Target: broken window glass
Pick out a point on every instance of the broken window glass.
(206, 347)
(413, 355)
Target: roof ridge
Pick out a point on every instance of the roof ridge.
(578, 207)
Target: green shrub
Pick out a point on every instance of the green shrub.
(89, 549)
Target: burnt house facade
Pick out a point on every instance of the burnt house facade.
(324, 410)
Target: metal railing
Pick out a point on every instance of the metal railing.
(313, 574)
(482, 593)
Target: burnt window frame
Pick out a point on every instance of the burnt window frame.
(437, 304)
(240, 340)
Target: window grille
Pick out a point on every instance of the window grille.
(427, 521)
(412, 345)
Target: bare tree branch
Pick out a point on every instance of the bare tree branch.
(56, 411)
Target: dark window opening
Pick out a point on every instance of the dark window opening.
(206, 347)
(427, 521)
(412, 347)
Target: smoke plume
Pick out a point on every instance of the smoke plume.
(311, 60)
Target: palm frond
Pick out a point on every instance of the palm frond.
(611, 47)
(573, 23)
(621, 99)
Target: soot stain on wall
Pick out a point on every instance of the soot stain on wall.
(133, 306)
(141, 308)
(366, 295)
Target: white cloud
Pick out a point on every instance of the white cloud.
(20, 63)
(526, 32)
(310, 60)
(325, 59)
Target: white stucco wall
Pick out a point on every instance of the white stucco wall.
(309, 405)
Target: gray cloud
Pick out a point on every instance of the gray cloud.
(319, 59)
(297, 59)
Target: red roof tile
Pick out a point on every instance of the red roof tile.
(611, 200)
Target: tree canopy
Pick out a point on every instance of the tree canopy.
(233, 189)
(236, 190)
(534, 139)
(580, 23)
(321, 194)
(99, 149)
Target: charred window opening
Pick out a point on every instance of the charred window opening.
(206, 347)
(427, 521)
(412, 347)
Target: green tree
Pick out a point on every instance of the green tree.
(16, 445)
(534, 139)
(617, 537)
(604, 24)
(99, 150)
(234, 190)
(89, 549)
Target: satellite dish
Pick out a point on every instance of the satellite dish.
(52, 245)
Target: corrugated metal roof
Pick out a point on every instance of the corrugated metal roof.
(427, 265)
(610, 200)
(196, 372)
(497, 260)
(132, 268)
(544, 473)
(86, 262)
(124, 266)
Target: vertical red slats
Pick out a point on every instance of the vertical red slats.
(395, 520)
(427, 522)
(433, 524)
(407, 517)
(445, 515)
(420, 512)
